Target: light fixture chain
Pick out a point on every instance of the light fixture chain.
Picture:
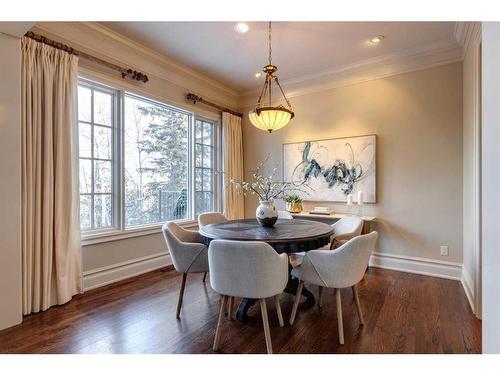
(270, 47)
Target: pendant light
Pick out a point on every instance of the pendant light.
(266, 116)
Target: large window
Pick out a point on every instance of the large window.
(142, 162)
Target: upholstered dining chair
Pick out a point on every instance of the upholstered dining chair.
(340, 268)
(284, 215)
(188, 253)
(346, 228)
(209, 218)
(247, 270)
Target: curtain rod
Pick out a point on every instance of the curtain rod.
(195, 98)
(125, 72)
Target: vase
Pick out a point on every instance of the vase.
(294, 207)
(266, 213)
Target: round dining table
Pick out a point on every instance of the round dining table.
(286, 236)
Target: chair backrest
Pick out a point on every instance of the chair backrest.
(246, 269)
(284, 215)
(186, 249)
(209, 218)
(348, 227)
(342, 267)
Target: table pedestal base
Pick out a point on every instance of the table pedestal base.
(291, 288)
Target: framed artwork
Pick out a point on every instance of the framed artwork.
(333, 168)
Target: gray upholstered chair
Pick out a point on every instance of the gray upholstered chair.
(210, 218)
(247, 270)
(284, 215)
(346, 228)
(340, 268)
(188, 254)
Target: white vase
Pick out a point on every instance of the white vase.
(266, 213)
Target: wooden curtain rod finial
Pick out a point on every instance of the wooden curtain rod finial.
(195, 98)
(135, 75)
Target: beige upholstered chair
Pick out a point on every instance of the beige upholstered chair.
(210, 218)
(346, 228)
(247, 270)
(340, 268)
(188, 254)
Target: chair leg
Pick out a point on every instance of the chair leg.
(296, 302)
(230, 308)
(339, 316)
(358, 305)
(265, 322)
(278, 309)
(204, 277)
(320, 299)
(181, 295)
(220, 322)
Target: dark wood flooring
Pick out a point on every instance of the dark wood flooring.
(404, 313)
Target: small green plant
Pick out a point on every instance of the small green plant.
(294, 198)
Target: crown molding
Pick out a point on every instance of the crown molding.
(467, 34)
(418, 58)
(97, 39)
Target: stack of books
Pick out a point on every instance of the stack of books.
(321, 211)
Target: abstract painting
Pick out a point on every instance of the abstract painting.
(333, 168)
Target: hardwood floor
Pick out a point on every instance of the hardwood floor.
(404, 313)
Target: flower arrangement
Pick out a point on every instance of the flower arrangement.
(266, 187)
(293, 203)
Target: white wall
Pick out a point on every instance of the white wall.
(491, 185)
(417, 117)
(10, 186)
(472, 167)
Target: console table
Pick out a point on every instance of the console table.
(330, 219)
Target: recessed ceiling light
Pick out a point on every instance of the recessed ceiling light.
(241, 27)
(377, 39)
(258, 75)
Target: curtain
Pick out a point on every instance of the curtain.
(234, 207)
(51, 258)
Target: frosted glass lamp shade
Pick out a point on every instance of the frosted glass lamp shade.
(270, 118)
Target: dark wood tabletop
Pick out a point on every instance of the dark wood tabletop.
(287, 236)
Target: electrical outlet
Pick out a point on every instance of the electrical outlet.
(444, 251)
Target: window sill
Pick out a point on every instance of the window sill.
(116, 235)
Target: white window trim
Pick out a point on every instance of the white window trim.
(119, 231)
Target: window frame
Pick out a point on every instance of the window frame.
(118, 230)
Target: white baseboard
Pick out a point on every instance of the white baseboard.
(421, 266)
(120, 271)
(468, 286)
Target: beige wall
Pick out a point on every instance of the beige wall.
(417, 117)
(10, 172)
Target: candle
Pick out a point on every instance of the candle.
(360, 198)
(349, 199)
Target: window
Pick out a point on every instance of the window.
(156, 162)
(96, 124)
(204, 166)
(142, 162)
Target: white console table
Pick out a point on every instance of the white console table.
(330, 219)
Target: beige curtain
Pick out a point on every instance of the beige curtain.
(50, 225)
(234, 207)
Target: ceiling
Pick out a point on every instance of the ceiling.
(299, 48)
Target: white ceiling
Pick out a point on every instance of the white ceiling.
(299, 48)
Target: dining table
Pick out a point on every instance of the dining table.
(285, 236)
